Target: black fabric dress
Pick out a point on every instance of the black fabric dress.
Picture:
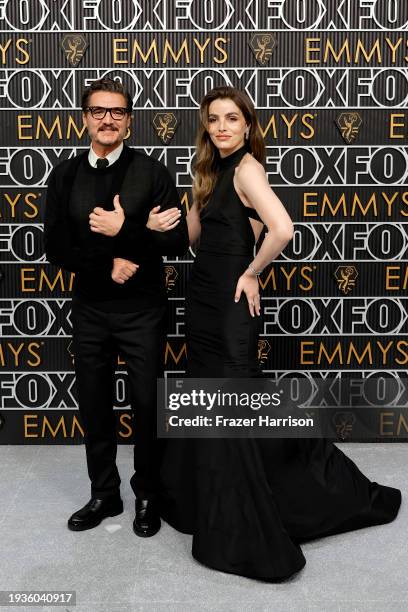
(249, 502)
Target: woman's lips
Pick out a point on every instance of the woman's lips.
(223, 137)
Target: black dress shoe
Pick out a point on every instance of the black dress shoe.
(147, 520)
(94, 512)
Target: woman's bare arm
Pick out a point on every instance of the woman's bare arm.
(193, 224)
(252, 186)
(252, 183)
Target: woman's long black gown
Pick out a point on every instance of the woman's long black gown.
(249, 502)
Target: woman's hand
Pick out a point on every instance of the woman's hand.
(107, 222)
(248, 283)
(123, 269)
(164, 221)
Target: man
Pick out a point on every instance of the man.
(97, 225)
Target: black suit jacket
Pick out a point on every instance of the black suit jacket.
(142, 183)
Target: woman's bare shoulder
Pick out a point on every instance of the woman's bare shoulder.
(249, 168)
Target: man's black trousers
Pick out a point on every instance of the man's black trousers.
(139, 337)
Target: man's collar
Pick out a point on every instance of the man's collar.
(111, 157)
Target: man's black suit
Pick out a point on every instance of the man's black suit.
(108, 317)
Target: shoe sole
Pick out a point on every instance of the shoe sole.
(84, 528)
(143, 534)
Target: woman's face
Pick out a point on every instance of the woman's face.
(226, 126)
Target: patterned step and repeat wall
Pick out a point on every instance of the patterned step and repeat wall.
(330, 83)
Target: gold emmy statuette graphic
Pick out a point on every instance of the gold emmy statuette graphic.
(349, 125)
(263, 349)
(171, 277)
(74, 46)
(346, 278)
(262, 46)
(344, 422)
(165, 125)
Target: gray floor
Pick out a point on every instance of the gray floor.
(112, 570)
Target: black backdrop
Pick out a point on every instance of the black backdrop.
(330, 85)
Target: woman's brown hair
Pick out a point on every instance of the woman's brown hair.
(207, 155)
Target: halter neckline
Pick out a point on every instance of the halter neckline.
(233, 158)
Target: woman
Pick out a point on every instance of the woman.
(248, 502)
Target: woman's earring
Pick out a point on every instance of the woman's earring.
(247, 134)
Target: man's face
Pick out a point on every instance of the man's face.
(107, 132)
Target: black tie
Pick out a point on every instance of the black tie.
(102, 162)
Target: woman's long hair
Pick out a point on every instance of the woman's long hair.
(207, 155)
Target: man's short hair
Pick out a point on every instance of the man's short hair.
(106, 84)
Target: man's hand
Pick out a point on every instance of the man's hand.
(164, 221)
(123, 269)
(107, 222)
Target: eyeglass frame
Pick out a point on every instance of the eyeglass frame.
(108, 110)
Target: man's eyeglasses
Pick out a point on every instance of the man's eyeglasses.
(98, 112)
